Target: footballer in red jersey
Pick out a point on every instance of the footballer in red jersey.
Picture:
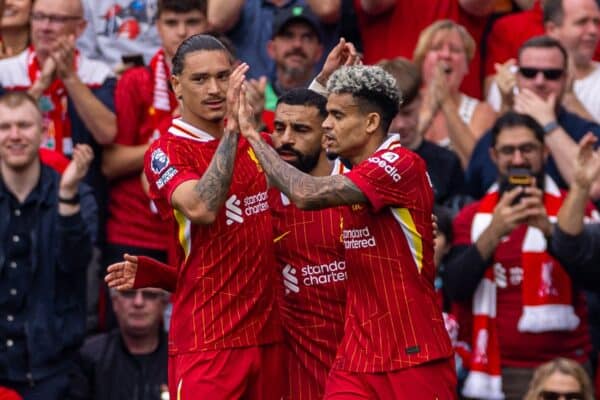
(224, 327)
(395, 344)
(309, 253)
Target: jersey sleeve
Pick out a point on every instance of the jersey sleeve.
(393, 178)
(461, 226)
(167, 165)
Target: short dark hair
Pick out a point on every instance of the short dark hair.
(407, 75)
(181, 6)
(305, 97)
(513, 119)
(194, 43)
(373, 88)
(444, 221)
(554, 11)
(545, 42)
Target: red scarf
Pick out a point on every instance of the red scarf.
(53, 104)
(546, 291)
(163, 100)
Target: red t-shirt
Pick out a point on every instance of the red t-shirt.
(310, 258)
(225, 294)
(132, 218)
(522, 349)
(396, 32)
(393, 320)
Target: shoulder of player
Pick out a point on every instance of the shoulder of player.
(135, 76)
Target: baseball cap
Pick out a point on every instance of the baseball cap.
(284, 16)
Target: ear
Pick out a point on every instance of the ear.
(551, 29)
(80, 28)
(373, 122)
(271, 49)
(176, 86)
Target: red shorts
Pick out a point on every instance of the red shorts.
(432, 381)
(248, 373)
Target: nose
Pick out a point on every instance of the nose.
(213, 85)
(288, 136)
(327, 125)
(517, 157)
(182, 30)
(138, 299)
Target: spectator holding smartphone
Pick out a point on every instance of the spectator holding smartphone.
(522, 302)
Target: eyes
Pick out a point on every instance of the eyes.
(222, 76)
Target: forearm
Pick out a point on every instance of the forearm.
(480, 8)
(100, 121)
(564, 152)
(463, 140)
(119, 160)
(306, 191)
(223, 15)
(75, 243)
(463, 272)
(572, 211)
(213, 187)
(578, 254)
(152, 273)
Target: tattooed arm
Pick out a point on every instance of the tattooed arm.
(200, 200)
(306, 191)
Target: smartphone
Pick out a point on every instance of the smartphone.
(516, 177)
(137, 60)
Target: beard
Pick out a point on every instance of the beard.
(304, 162)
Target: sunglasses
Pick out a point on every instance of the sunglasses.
(550, 74)
(146, 294)
(549, 395)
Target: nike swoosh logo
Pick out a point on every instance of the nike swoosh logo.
(278, 238)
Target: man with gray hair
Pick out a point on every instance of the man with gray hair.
(395, 344)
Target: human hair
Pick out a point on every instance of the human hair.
(181, 6)
(513, 119)
(407, 75)
(553, 11)
(194, 43)
(444, 221)
(427, 34)
(545, 42)
(564, 366)
(304, 97)
(374, 89)
(15, 99)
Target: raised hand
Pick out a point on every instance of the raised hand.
(236, 79)
(506, 216)
(506, 80)
(255, 93)
(587, 163)
(537, 216)
(64, 57)
(344, 53)
(76, 170)
(246, 115)
(121, 275)
(543, 111)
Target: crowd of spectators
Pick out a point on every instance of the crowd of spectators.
(490, 88)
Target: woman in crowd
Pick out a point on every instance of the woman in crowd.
(14, 27)
(447, 116)
(560, 379)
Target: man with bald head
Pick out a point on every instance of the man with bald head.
(74, 93)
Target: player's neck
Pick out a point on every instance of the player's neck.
(323, 167)
(368, 149)
(213, 128)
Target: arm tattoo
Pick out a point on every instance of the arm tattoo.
(213, 187)
(306, 191)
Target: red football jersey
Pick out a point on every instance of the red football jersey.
(225, 294)
(132, 218)
(393, 320)
(310, 257)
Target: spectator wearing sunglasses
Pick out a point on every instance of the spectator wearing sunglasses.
(560, 379)
(536, 89)
(130, 362)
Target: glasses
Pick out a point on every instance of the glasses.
(550, 74)
(146, 294)
(549, 395)
(525, 149)
(54, 19)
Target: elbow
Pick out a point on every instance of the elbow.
(329, 14)
(221, 24)
(201, 216)
(376, 7)
(107, 169)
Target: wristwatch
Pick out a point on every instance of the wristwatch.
(71, 200)
(550, 126)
